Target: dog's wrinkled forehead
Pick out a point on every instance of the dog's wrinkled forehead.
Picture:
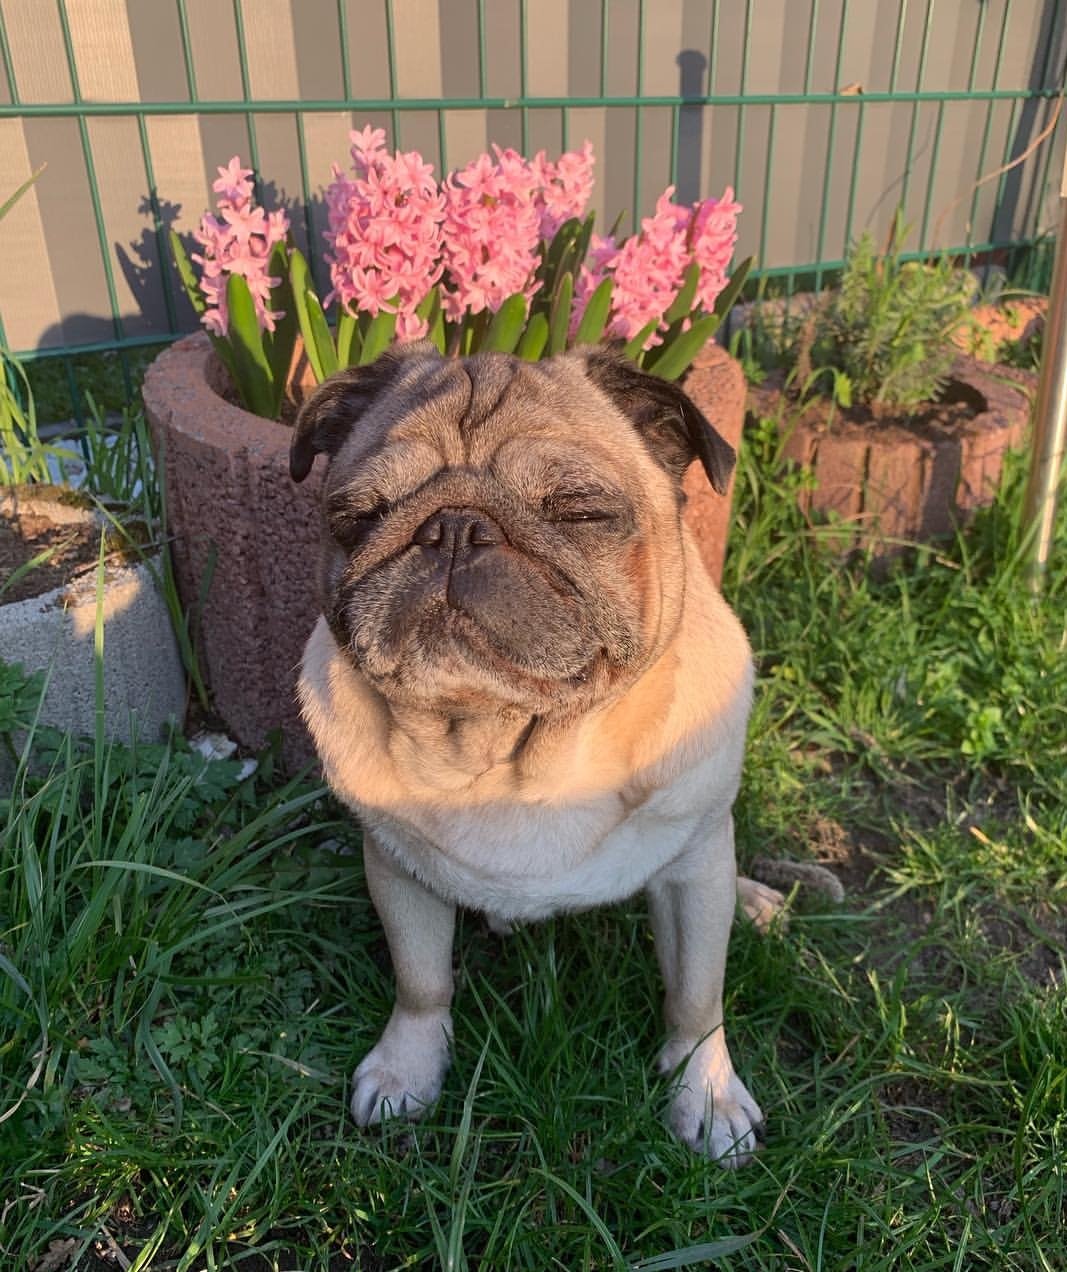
(460, 411)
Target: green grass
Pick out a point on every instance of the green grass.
(190, 969)
(60, 383)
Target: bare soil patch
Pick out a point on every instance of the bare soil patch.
(27, 532)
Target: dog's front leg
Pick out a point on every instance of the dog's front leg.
(692, 906)
(402, 1075)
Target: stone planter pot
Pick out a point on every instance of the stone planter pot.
(54, 632)
(242, 528)
(890, 485)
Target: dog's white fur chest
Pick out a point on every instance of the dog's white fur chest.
(531, 861)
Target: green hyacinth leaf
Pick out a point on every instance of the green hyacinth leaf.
(672, 360)
(320, 335)
(196, 298)
(429, 309)
(561, 242)
(281, 343)
(426, 306)
(534, 338)
(632, 348)
(559, 323)
(349, 340)
(506, 326)
(683, 302)
(725, 299)
(11, 200)
(377, 337)
(318, 343)
(583, 238)
(251, 369)
(595, 318)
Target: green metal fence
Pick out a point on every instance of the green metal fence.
(823, 114)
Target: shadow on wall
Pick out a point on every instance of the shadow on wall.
(1035, 115)
(162, 308)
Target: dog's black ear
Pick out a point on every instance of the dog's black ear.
(330, 414)
(673, 428)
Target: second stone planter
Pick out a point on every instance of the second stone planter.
(888, 485)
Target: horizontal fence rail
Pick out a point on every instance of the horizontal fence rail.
(824, 115)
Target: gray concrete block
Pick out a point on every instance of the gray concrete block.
(144, 682)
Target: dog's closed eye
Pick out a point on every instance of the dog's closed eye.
(584, 506)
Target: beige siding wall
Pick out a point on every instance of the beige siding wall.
(811, 174)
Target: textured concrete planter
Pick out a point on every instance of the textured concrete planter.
(239, 522)
(889, 484)
(144, 682)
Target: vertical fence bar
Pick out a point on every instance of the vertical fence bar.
(390, 48)
(162, 245)
(639, 121)
(346, 67)
(850, 211)
(603, 48)
(1050, 143)
(442, 141)
(1007, 151)
(9, 65)
(984, 148)
(676, 119)
(524, 118)
(768, 168)
(898, 45)
(831, 139)
(935, 153)
(740, 140)
(187, 51)
(713, 51)
(94, 197)
(920, 75)
(809, 60)
(9, 71)
(483, 55)
(246, 94)
(314, 263)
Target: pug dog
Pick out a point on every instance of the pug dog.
(526, 686)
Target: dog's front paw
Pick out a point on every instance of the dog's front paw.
(402, 1075)
(712, 1110)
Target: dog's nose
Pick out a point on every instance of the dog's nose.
(455, 532)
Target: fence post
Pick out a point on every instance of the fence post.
(1050, 415)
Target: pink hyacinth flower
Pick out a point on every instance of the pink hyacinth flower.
(647, 269)
(240, 242)
(564, 189)
(713, 235)
(384, 234)
(490, 234)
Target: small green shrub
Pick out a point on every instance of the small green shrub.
(883, 337)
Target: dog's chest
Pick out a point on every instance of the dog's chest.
(527, 861)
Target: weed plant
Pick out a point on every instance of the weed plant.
(882, 337)
(190, 968)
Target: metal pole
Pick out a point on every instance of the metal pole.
(1050, 415)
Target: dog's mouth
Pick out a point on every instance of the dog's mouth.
(501, 625)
